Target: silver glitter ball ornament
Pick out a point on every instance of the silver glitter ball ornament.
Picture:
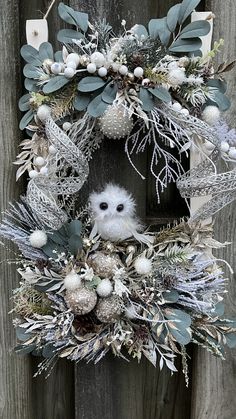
(104, 265)
(116, 123)
(81, 301)
(109, 309)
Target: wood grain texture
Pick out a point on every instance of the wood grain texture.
(214, 381)
(15, 375)
(114, 389)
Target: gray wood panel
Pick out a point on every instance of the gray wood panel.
(214, 381)
(15, 375)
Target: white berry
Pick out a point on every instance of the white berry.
(52, 150)
(91, 68)
(39, 161)
(232, 153)
(43, 113)
(176, 107)
(56, 68)
(123, 70)
(33, 174)
(102, 72)
(71, 64)
(224, 147)
(105, 288)
(143, 265)
(73, 57)
(138, 72)
(72, 281)
(38, 239)
(69, 72)
(44, 171)
(98, 59)
(66, 126)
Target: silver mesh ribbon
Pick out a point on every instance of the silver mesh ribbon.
(203, 180)
(43, 192)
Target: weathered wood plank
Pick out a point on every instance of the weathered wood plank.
(15, 376)
(214, 381)
(114, 389)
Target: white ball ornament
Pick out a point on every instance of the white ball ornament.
(116, 123)
(66, 126)
(105, 288)
(91, 68)
(143, 265)
(72, 281)
(232, 153)
(102, 72)
(43, 113)
(33, 174)
(224, 147)
(73, 57)
(138, 72)
(98, 59)
(56, 68)
(211, 115)
(123, 70)
(39, 161)
(69, 72)
(38, 239)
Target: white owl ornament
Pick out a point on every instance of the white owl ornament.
(113, 215)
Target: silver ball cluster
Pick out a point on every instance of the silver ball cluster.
(81, 301)
(108, 310)
(115, 123)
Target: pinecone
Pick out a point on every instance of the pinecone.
(137, 60)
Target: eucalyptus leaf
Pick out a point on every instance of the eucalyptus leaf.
(75, 244)
(147, 99)
(195, 29)
(58, 57)
(55, 83)
(46, 51)
(218, 84)
(66, 36)
(186, 8)
(30, 85)
(21, 334)
(24, 350)
(172, 17)
(74, 227)
(179, 327)
(220, 99)
(158, 29)
(171, 296)
(30, 55)
(219, 309)
(81, 102)
(90, 84)
(97, 106)
(231, 340)
(185, 45)
(109, 93)
(51, 249)
(23, 103)
(161, 93)
(73, 17)
(140, 31)
(30, 71)
(27, 118)
(48, 350)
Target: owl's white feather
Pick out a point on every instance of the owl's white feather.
(113, 213)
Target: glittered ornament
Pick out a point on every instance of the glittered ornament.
(109, 309)
(81, 301)
(103, 265)
(116, 123)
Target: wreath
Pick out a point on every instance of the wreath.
(95, 280)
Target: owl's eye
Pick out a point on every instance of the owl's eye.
(103, 206)
(120, 207)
